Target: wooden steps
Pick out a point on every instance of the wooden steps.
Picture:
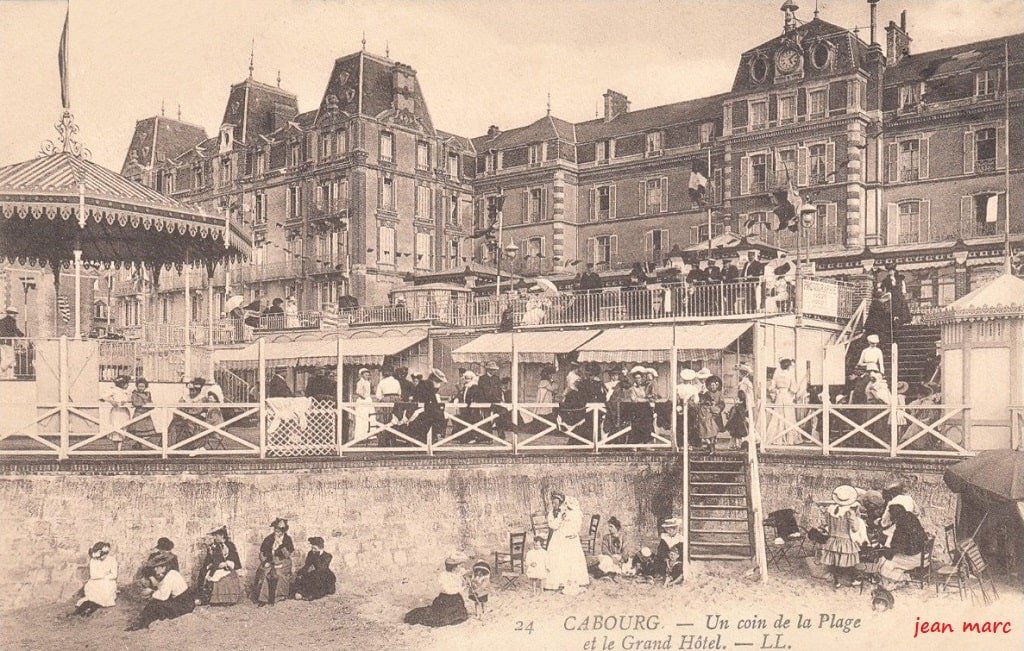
(719, 526)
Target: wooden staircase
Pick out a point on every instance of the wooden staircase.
(721, 512)
(916, 350)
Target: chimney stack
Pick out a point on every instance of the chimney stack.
(493, 131)
(897, 41)
(874, 20)
(789, 9)
(615, 104)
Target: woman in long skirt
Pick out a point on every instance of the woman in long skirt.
(142, 403)
(846, 529)
(119, 400)
(567, 564)
(100, 590)
(315, 579)
(274, 578)
(218, 583)
(448, 607)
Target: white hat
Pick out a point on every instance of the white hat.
(704, 373)
(12, 310)
(844, 495)
(743, 366)
(651, 371)
(363, 370)
(638, 369)
(438, 374)
(687, 375)
(873, 339)
(672, 523)
(645, 552)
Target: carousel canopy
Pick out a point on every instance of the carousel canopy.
(1002, 298)
(124, 222)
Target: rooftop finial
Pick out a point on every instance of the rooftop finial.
(549, 103)
(815, 8)
(252, 57)
(279, 78)
(364, 40)
(162, 108)
(387, 50)
(789, 9)
(179, 111)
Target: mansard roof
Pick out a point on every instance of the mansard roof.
(953, 60)
(461, 142)
(848, 53)
(548, 127)
(256, 109)
(158, 138)
(703, 109)
(376, 87)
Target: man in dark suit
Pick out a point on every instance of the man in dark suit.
(752, 271)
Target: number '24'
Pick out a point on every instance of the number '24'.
(527, 627)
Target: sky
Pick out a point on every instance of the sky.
(479, 62)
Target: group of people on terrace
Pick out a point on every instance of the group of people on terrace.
(219, 579)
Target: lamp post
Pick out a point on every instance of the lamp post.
(28, 283)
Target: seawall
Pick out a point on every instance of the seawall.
(378, 517)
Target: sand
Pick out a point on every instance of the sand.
(369, 617)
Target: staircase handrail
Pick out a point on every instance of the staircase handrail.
(756, 506)
(853, 325)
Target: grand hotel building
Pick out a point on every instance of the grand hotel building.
(904, 153)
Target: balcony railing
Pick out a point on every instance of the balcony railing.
(253, 273)
(974, 228)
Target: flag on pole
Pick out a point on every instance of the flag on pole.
(787, 205)
(64, 307)
(992, 209)
(62, 63)
(698, 187)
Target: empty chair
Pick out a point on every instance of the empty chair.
(589, 541)
(512, 564)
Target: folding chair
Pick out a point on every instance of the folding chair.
(782, 526)
(516, 556)
(923, 574)
(590, 540)
(978, 568)
(539, 524)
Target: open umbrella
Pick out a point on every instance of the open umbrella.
(546, 286)
(997, 472)
(233, 302)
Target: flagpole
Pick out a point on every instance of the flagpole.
(709, 207)
(1006, 147)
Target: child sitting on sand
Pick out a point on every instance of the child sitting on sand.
(537, 563)
(673, 567)
(644, 565)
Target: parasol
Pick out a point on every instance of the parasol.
(997, 472)
(233, 302)
(546, 285)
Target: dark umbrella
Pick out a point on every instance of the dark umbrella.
(997, 472)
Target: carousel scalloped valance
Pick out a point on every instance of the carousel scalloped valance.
(54, 204)
(1003, 298)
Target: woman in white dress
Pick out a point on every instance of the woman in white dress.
(567, 564)
(363, 394)
(291, 313)
(100, 590)
(120, 400)
(782, 390)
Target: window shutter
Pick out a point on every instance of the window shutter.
(643, 198)
(773, 109)
(526, 207)
(380, 191)
(1000, 148)
(544, 211)
(926, 220)
(543, 246)
(664, 194)
(969, 152)
(966, 214)
(802, 161)
(611, 201)
(893, 162)
(801, 102)
(591, 250)
(892, 229)
(924, 157)
(648, 244)
(830, 162)
(717, 189)
(614, 249)
(694, 234)
(832, 226)
(593, 205)
(745, 175)
(665, 246)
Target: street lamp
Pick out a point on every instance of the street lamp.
(28, 283)
(510, 251)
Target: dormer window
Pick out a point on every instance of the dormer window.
(536, 153)
(759, 114)
(453, 165)
(707, 132)
(422, 156)
(910, 95)
(226, 137)
(491, 161)
(986, 83)
(604, 150)
(655, 143)
(295, 151)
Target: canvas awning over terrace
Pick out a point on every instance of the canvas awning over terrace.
(654, 343)
(368, 350)
(532, 346)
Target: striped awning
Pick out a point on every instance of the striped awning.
(533, 346)
(370, 351)
(654, 343)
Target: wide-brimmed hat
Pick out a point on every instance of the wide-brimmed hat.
(704, 373)
(279, 522)
(651, 371)
(156, 559)
(316, 541)
(873, 339)
(687, 375)
(902, 387)
(743, 366)
(491, 365)
(638, 369)
(844, 495)
(455, 558)
(672, 523)
(363, 370)
(645, 552)
(559, 494)
(223, 531)
(482, 565)
(438, 374)
(11, 310)
(713, 378)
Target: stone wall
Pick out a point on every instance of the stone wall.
(375, 518)
(782, 487)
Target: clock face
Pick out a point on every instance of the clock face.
(787, 61)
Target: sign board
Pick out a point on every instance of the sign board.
(819, 298)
